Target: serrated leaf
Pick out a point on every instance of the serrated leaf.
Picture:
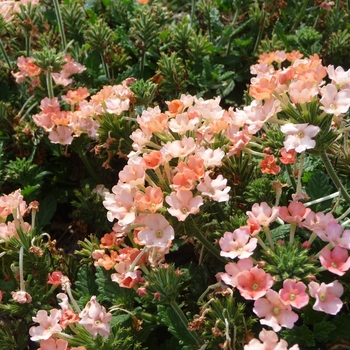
(299, 335)
(317, 187)
(342, 327)
(110, 291)
(280, 232)
(322, 331)
(85, 284)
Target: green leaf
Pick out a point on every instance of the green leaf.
(280, 232)
(46, 211)
(86, 285)
(299, 335)
(322, 331)
(110, 291)
(317, 187)
(174, 324)
(341, 325)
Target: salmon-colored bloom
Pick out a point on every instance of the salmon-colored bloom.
(263, 88)
(53, 344)
(151, 200)
(269, 166)
(21, 297)
(233, 270)
(293, 293)
(254, 284)
(336, 261)
(296, 212)
(54, 278)
(287, 157)
(152, 160)
(175, 107)
(75, 96)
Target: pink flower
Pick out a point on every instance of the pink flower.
(21, 297)
(269, 342)
(53, 344)
(95, 319)
(274, 312)
(317, 220)
(327, 296)
(253, 284)
(179, 148)
(299, 136)
(158, 232)
(61, 134)
(293, 293)
(336, 261)
(339, 76)
(237, 244)
(48, 325)
(232, 271)
(182, 203)
(263, 214)
(296, 212)
(133, 175)
(334, 234)
(334, 101)
(215, 189)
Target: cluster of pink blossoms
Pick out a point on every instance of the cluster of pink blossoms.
(9, 7)
(275, 309)
(63, 125)
(93, 318)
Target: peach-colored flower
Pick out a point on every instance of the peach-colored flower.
(287, 157)
(327, 5)
(269, 166)
(327, 296)
(317, 220)
(336, 261)
(179, 148)
(143, 2)
(152, 160)
(68, 317)
(293, 293)
(263, 214)
(273, 312)
(53, 344)
(175, 107)
(301, 91)
(76, 96)
(293, 56)
(151, 200)
(254, 284)
(237, 244)
(133, 175)
(335, 234)
(182, 203)
(263, 88)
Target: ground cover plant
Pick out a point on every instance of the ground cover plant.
(174, 174)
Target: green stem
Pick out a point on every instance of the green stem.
(88, 166)
(269, 238)
(27, 40)
(142, 63)
(60, 24)
(4, 54)
(104, 66)
(293, 227)
(209, 246)
(235, 16)
(21, 278)
(291, 177)
(49, 84)
(193, 9)
(184, 322)
(329, 167)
